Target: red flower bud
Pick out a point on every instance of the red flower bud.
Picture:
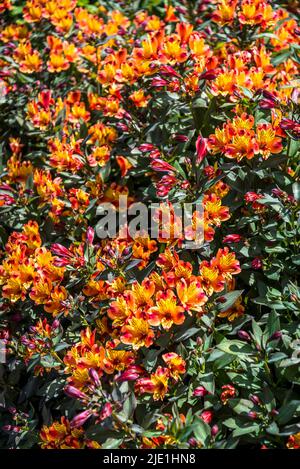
(214, 430)
(200, 391)
(169, 71)
(233, 238)
(200, 149)
(209, 75)
(162, 166)
(266, 104)
(106, 411)
(277, 335)
(193, 442)
(243, 335)
(158, 82)
(131, 374)
(80, 419)
(256, 264)
(206, 416)
(90, 234)
(180, 138)
(146, 147)
(94, 376)
(255, 399)
(73, 392)
(60, 250)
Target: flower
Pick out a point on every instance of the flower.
(235, 311)
(294, 441)
(200, 149)
(157, 384)
(60, 435)
(228, 392)
(166, 312)
(137, 333)
(175, 363)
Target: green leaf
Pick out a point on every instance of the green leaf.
(241, 406)
(287, 412)
(235, 347)
(230, 299)
(202, 431)
(112, 443)
(186, 334)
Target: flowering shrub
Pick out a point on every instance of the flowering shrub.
(138, 341)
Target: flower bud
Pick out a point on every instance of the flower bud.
(193, 442)
(94, 377)
(252, 415)
(214, 430)
(131, 374)
(90, 234)
(144, 147)
(200, 391)
(256, 264)
(276, 336)
(106, 411)
(80, 419)
(201, 149)
(243, 335)
(73, 392)
(209, 75)
(255, 399)
(206, 416)
(199, 341)
(233, 238)
(221, 299)
(180, 138)
(55, 324)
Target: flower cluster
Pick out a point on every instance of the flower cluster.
(149, 339)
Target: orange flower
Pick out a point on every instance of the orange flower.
(170, 14)
(225, 11)
(121, 309)
(100, 156)
(175, 363)
(60, 436)
(172, 51)
(211, 280)
(41, 291)
(56, 303)
(157, 384)
(181, 270)
(191, 294)
(79, 199)
(143, 294)
(166, 312)
(139, 98)
(226, 262)
(237, 139)
(137, 333)
(143, 247)
(14, 290)
(18, 171)
(57, 62)
(215, 212)
(255, 12)
(267, 141)
(119, 359)
(234, 312)
(124, 164)
(31, 63)
(294, 441)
